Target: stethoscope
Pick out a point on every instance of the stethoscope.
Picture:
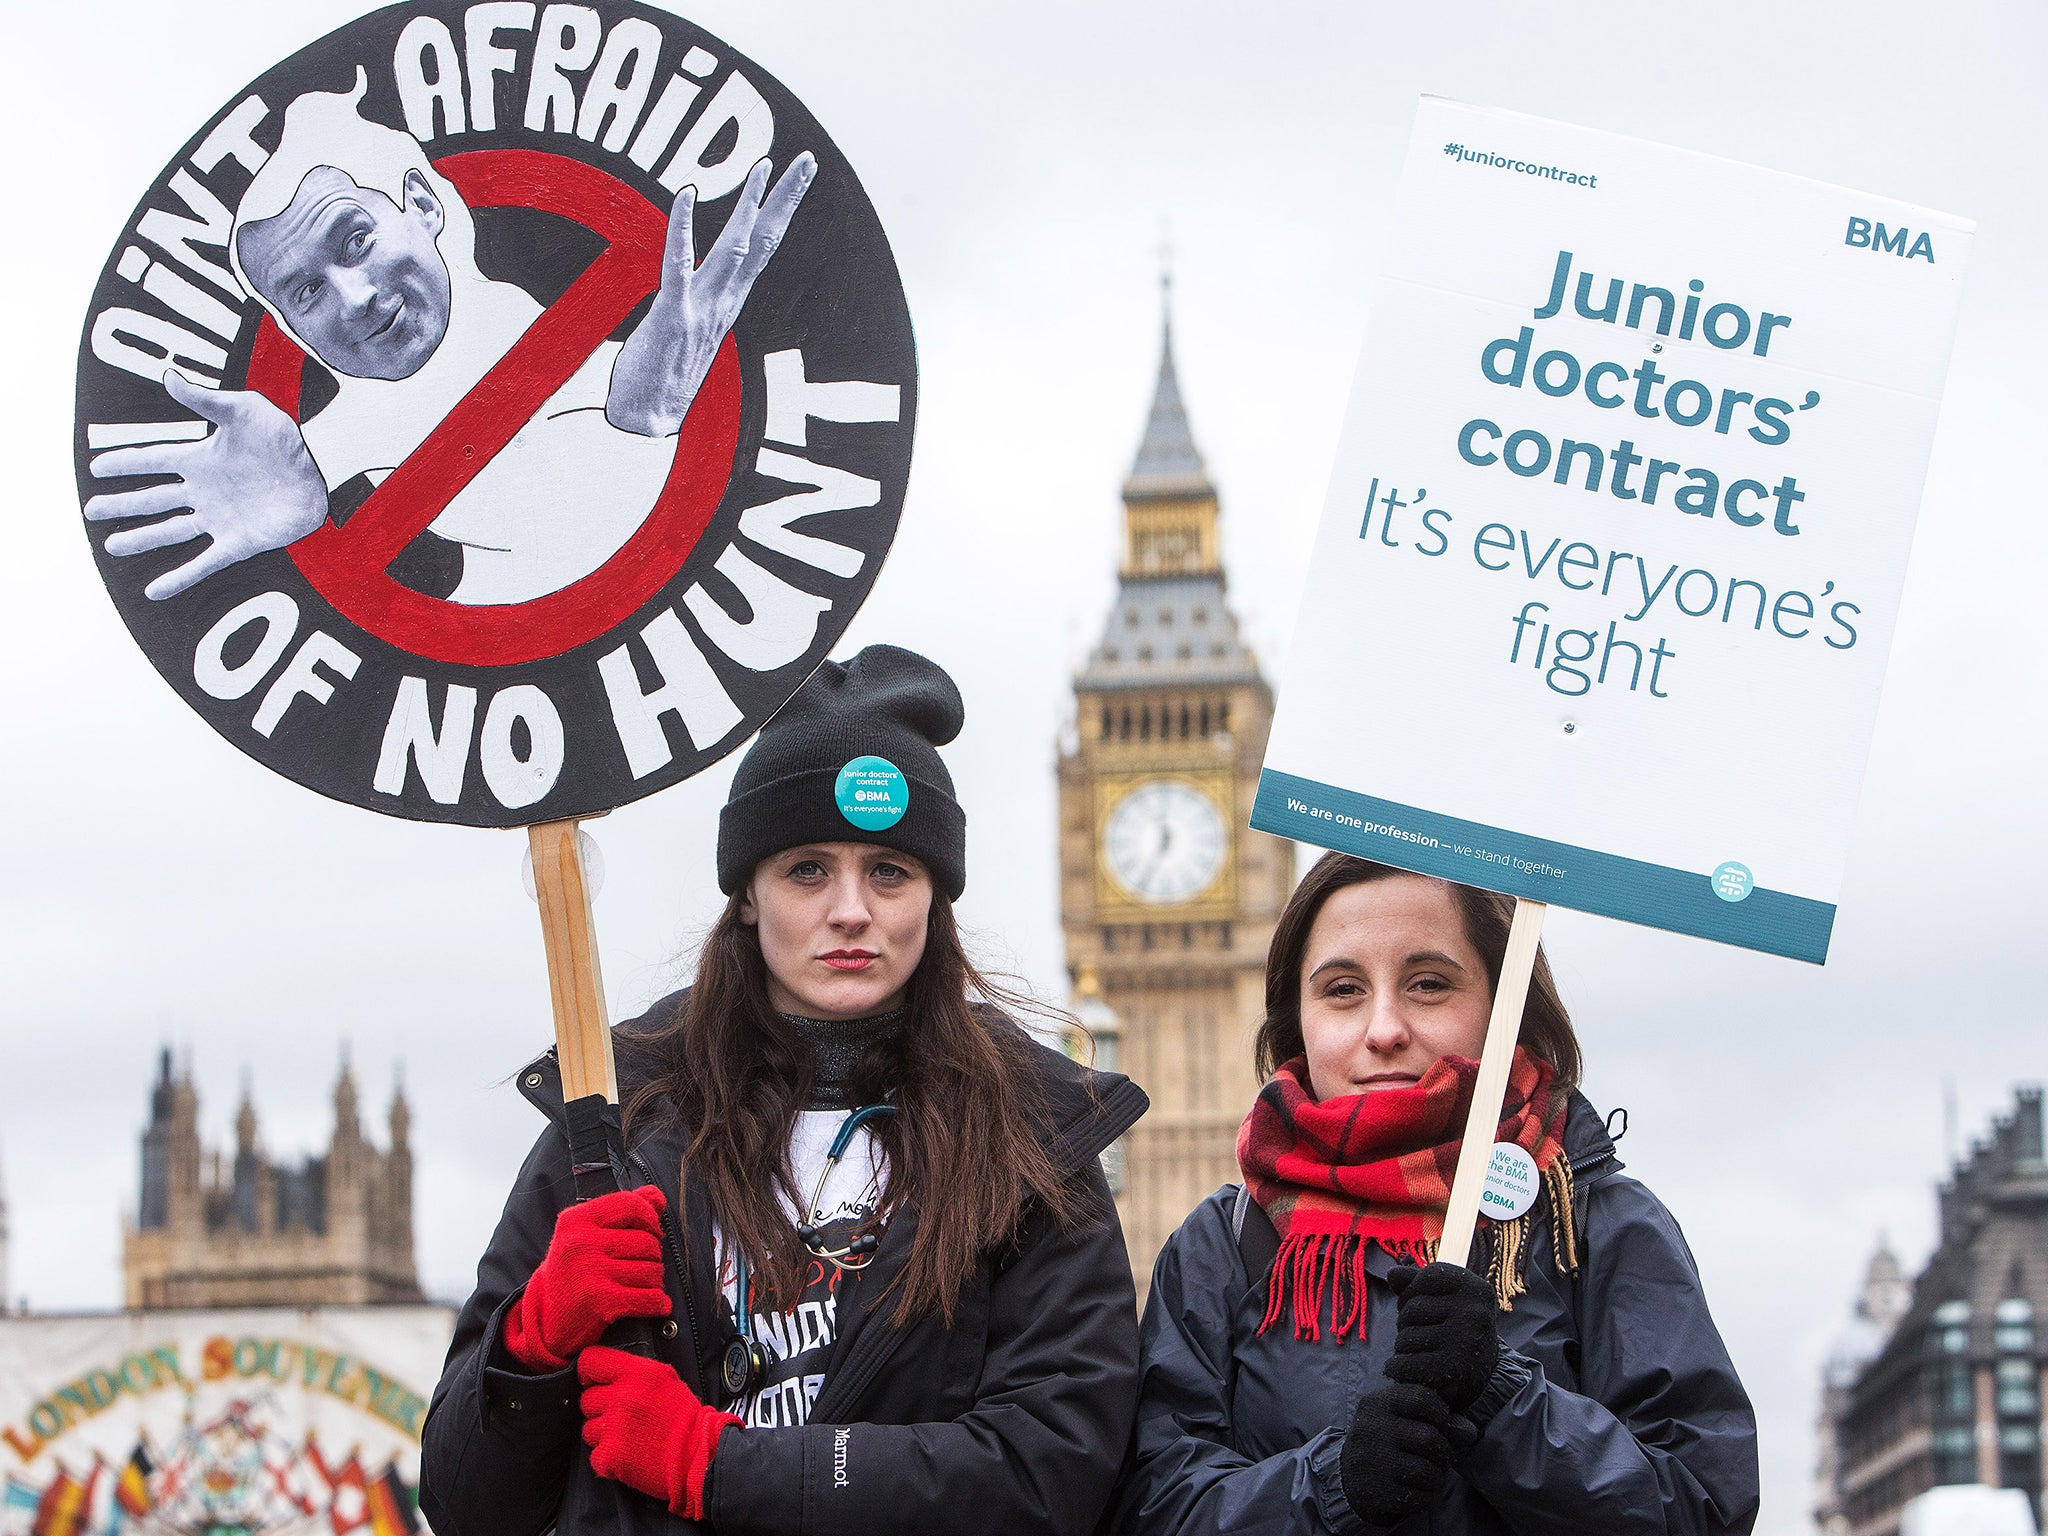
(746, 1362)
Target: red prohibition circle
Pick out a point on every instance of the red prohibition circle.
(347, 565)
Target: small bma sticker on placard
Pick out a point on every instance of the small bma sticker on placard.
(1732, 881)
(1511, 1182)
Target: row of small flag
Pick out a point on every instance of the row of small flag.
(65, 1508)
(385, 1505)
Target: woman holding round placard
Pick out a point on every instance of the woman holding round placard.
(863, 1209)
(1571, 1381)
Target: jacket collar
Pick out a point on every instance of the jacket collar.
(1587, 1146)
(1086, 1110)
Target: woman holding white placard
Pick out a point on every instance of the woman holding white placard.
(1301, 1373)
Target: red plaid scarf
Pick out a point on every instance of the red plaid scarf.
(1377, 1166)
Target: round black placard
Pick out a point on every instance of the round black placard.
(495, 412)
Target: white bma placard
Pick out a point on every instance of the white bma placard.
(1601, 601)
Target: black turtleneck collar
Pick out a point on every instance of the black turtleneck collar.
(837, 1045)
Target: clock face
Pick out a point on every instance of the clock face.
(1164, 842)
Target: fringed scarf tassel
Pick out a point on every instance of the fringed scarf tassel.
(1508, 1264)
(1557, 1182)
(1326, 1271)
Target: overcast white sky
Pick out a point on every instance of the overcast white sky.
(160, 886)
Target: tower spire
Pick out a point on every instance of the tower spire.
(1170, 506)
(347, 1127)
(1168, 465)
(245, 1117)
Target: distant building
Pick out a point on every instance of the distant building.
(243, 1231)
(1884, 1299)
(1946, 1387)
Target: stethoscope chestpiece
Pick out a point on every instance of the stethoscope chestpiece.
(744, 1365)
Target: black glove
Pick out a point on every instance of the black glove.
(1446, 1338)
(1398, 1452)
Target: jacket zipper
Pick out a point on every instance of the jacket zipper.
(675, 1249)
(1591, 1160)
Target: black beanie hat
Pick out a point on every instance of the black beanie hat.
(853, 758)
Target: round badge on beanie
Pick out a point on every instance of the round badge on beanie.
(872, 792)
(853, 757)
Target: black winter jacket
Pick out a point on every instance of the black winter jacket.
(1615, 1408)
(1011, 1420)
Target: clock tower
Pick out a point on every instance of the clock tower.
(1167, 899)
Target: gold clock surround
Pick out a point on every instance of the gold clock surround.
(1215, 899)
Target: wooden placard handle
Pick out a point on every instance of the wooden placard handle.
(583, 1035)
(1503, 1028)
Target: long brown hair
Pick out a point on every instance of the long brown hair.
(965, 1146)
(1546, 1027)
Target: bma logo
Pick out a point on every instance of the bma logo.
(1876, 237)
(1732, 881)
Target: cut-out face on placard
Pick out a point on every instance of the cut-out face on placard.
(358, 278)
(494, 413)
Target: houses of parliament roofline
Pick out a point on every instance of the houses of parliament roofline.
(244, 1230)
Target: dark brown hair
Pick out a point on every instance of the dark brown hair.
(965, 1145)
(1546, 1027)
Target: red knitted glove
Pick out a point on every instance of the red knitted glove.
(604, 1263)
(646, 1429)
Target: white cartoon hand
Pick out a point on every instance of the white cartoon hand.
(250, 485)
(664, 361)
